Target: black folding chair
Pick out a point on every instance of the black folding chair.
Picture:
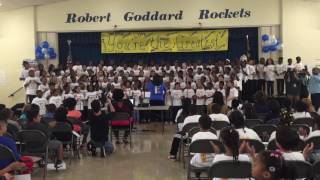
(121, 116)
(185, 138)
(258, 146)
(299, 169)
(63, 132)
(264, 131)
(307, 121)
(201, 146)
(230, 169)
(272, 145)
(13, 130)
(316, 170)
(6, 153)
(249, 123)
(35, 143)
(218, 125)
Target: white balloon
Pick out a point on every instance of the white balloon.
(46, 56)
(44, 50)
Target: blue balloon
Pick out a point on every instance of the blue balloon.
(53, 56)
(45, 44)
(265, 49)
(273, 48)
(51, 51)
(40, 56)
(38, 49)
(265, 37)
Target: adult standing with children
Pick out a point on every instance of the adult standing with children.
(314, 88)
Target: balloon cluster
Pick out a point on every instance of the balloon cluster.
(270, 43)
(44, 51)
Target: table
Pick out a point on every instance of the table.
(154, 108)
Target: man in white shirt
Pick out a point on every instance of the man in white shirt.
(31, 84)
(280, 71)
(203, 160)
(298, 66)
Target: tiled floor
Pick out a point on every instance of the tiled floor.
(146, 160)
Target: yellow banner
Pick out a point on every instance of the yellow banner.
(164, 41)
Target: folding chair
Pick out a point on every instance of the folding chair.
(258, 146)
(35, 143)
(230, 169)
(297, 126)
(307, 121)
(262, 115)
(300, 169)
(63, 132)
(316, 170)
(201, 146)
(185, 137)
(13, 130)
(249, 123)
(264, 131)
(121, 120)
(6, 153)
(218, 125)
(273, 146)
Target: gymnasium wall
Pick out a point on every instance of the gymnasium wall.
(17, 42)
(301, 30)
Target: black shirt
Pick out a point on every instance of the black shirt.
(99, 126)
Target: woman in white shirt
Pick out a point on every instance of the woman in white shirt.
(270, 76)
(237, 121)
(301, 110)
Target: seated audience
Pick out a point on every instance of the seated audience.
(301, 110)
(34, 123)
(273, 116)
(260, 104)
(237, 121)
(249, 111)
(287, 139)
(203, 160)
(121, 105)
(218, 99)
(217, 115)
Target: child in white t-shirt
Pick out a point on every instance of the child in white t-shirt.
(79, 97)
(91, 95)
(200, 159)
(189, 93)
(44, 85)
(231, 93)
(31, 84)
(209, 93)
(56, 99)
(176, 95)
(201, 97)
(41, 102)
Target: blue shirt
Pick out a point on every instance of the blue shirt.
(156, 92)
(11, 145)
(314, 84)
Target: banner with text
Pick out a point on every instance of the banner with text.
(164, 41)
